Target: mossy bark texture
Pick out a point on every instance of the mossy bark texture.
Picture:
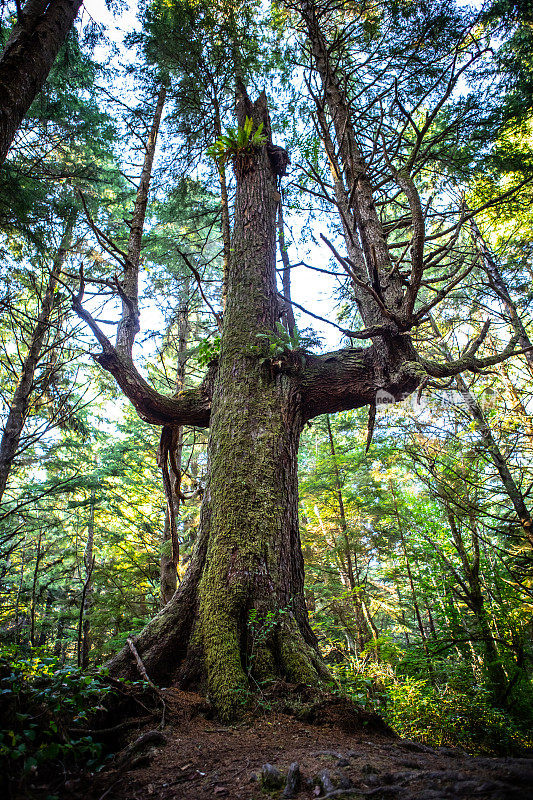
(248, 561)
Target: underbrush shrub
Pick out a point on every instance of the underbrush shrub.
(438, 706)
(444, 715)
(44, 706)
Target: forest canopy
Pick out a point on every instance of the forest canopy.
(265, 357)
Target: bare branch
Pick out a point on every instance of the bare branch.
(469, 363)
(198, 279)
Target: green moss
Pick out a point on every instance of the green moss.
(296, 656)
(252, 452)
(220, 634)
(263, 666)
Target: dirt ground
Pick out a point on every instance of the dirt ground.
(340, 752)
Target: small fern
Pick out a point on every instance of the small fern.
(237, 141)
(280, 342)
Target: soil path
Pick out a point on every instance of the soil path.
(340, 754)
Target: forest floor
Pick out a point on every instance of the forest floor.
(340, 751)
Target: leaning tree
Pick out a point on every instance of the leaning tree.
(247, 557)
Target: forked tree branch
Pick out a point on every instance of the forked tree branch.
(191, 407)
(469, 362)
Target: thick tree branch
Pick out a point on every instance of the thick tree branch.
(351, 378)
(407, 184)
(191, 407)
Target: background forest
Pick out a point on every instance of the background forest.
(415, 517)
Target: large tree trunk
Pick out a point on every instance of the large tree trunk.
(240, 610)
(27, 59)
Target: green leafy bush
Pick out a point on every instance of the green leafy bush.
(448, 709)
(444, 716)
(42, 703)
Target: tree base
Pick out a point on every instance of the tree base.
(175, 650)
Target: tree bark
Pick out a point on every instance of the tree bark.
(170, 458)
(84, 623)
(35, 583)
(247, 556)
(21, 399)
(129, 289)
(473, 595)
(45, 621)
(27, 59)
(224, 209)
(371, 259)
(363, 631)
(288, 311)
(416, 606)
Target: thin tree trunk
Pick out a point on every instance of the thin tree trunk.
(355, 196)
(349, 227)
(288, 311)
(476, 602)
(403, 617)
(27, 59)
(224, 205)
(84, 623)
(21, 398)
(498, 459)
(33, 605)
(60, 631)
(45, 622)
(129, 288)
(431, 622)
(340, 501)
(412, 584)
(363, 628)
(19, 588)
(526, 419)
(170, 460)
(170, 451)
(373, 627)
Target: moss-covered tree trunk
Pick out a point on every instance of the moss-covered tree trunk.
(240, 610)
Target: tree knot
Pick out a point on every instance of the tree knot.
(279, 159)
